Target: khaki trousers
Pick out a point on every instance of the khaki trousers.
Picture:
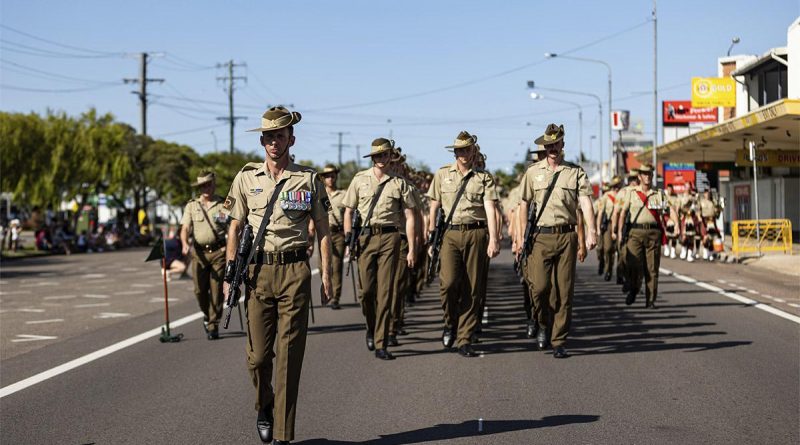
(609, 249)
(337, 263)
(600, 247)
(552, 266)
(644, 259)
(463, 264)
(277, 324)
(208, 269)
(621, 258)
(400, 288)
(376, 269)
(421, 269)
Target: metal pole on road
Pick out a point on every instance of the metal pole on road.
(755, 190)
(655, 95)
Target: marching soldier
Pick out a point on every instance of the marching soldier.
(329, 175)
(469, 241)
(599, 248)
(672, 225)
(686, 202)
(205, 222)
(558, 188)
(709, 210)
(382, 200)
(622, 196)
(605, 209)
(645, 206)
(280, 196)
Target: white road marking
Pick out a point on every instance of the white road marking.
(42, 283)
(29, 309)
(751, 291)
(794, 305)
(52, 320)
(60, 297)
(91, 305)
(161, 299)
(142, 285)
(98, 296)
(130, 292)
(737, 297)
(3, 282)
(779, 300)
(94, 275)
(88, 358)
(28, 337)
(99, 281)
(722, 281)
(129, 269)
(103, 315)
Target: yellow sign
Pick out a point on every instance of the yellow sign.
(713, 92)
(769, 158)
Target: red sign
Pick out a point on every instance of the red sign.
(680, 112)
(679, 179)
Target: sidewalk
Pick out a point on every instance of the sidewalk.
(777, 262)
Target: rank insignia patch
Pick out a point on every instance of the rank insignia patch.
(229, 202)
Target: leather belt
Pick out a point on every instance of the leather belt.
(377, 230)
(566, 228)
(208, 248)
(470, 226)
(649, 226)
(335, 229)
(285, 257)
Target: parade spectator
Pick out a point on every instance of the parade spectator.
(82, 244)
(15, 228)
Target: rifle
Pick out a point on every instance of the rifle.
(239, 270)
(626, 228)
(435, 241)
(528, 239)
(604, 223)
(351, 241)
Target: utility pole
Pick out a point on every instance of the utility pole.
(231, 79)
(340, 145)
(358, 155)
(655, 95)
(142, 93)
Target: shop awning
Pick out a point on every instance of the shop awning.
(775, 127)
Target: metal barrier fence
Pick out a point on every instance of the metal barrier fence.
(773, 235)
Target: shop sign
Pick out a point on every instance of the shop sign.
(681, 112)
(769, 158)
(713, 92)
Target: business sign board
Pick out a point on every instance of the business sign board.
(713, 92)
(679, 176)
(620, 120)
(769, 158)
(681, 112)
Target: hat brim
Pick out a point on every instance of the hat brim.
(376, 153)
(329, 172)
(296, 117)
(541, 141)
(199, 183)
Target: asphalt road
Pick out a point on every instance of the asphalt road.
(703, 368)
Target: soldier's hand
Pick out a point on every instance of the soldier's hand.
(430, 251)
(185, 249)
(581, 254)
(591, 240)
(494, 248)
(411, 259)
(326, 287)
(614, 236)
(226, 290)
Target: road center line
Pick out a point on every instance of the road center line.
(52, 320)
(88, 358)
(737, 297)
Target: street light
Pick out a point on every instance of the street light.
(734, 41)
(537, 96)
(608, 67)
(532, 85)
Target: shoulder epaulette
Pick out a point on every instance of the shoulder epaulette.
(445, 167)
(252, 166)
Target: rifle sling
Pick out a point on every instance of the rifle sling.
(372, 205)
(460, 192)
(265, 220)
(208, 220)
(546, 199)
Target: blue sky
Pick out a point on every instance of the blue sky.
(323, 57)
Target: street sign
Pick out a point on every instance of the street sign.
(713, 92)
(620, 119)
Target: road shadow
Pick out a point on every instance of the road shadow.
(469, 428)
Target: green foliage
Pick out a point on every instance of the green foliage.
(225, 166)
(506, 181)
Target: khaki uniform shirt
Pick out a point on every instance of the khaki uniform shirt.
(336, 215)
(514, 197)
(562, 206)
(287, 229)
(203, 233)
(470, 209)
(388, 211)
(622, 196)
(656, 200)
(417, 197)
(685, 202)
(708, 209)
(607, 203)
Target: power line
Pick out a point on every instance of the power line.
(480, 79)
(69, 90)
(40, 52)
(192, 130)
(55, 75)
(62, 45)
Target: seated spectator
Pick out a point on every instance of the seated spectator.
(43, 241)
(83, 242)
(174, 259)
